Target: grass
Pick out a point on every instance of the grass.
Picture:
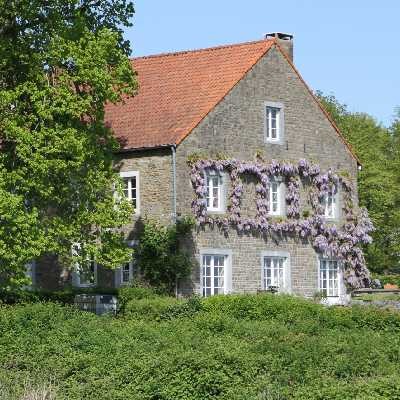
(233, 347)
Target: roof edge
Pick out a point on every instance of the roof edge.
(184, 136)
(341, 136)
(212, 48)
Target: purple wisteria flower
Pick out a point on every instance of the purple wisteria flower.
(341, 242)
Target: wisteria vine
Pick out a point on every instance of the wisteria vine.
(327, 238)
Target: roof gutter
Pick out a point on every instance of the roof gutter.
(134, 149)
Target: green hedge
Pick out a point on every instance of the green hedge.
(65, 296)
(224, 347)
(393, 279)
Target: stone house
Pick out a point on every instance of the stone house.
(244, 102)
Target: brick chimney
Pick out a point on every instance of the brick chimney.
(285, 40)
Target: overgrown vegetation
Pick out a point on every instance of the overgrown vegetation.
(61, 61)
(224, 347)
(378, 148)
(163, 259)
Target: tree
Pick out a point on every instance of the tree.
(379, 192)
(60, 63)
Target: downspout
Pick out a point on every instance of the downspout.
(173, 150)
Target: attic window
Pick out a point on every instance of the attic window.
(274, 122)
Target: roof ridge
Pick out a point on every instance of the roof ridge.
(204, 49)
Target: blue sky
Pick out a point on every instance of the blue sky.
(350, 48)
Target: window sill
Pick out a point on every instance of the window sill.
(280, 142)
(218, 212)
(332, 220)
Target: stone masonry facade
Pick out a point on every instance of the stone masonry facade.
(235, 128)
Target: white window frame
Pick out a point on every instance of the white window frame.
(132, 264)
(275, 255)
(227, 255)
(128, 175)
(122, 282)
(278, 107)
(329, 290)
(210, 175)
(334, 198)
(280, 197)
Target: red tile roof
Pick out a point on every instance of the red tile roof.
(177, 90)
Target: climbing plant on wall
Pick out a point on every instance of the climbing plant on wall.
(342, 242)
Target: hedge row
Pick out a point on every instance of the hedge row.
(232, 347)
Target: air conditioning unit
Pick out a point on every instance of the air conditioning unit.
(97, 303)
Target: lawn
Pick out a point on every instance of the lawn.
(233, 347)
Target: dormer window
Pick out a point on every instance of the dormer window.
(215, 201)
(273, 122)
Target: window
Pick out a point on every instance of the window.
(274, 198)
(214, 191)
(126, 273)
(330, 205)
(329, 277)
(273, 122)
(274, 274)
(215, 272)
(131, 188)
(86, 275)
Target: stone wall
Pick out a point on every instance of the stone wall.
(235, 128)
(155, 185)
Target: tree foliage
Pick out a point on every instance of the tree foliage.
(379, 191)
(60, 63)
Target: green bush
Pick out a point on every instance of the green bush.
(187, 308)
(224, 347)
(148, 308)
(65, 296)
(392, 279)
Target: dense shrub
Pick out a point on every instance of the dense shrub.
(232, 347)
(65, 296)
(163, 260)
(393, 279)
(186, 308)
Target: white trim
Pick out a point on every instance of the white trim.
(212, 173)
(287, 278)
(335, 205)
(118, 273)
(133, 174)
(280, 197)
(227, 254)
(342, 296)
(280, 122)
